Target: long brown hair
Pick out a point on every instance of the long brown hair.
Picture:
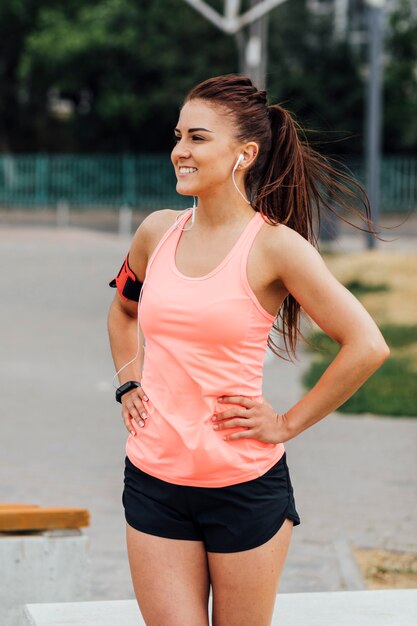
(290, 182)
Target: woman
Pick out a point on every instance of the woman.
(208, 497)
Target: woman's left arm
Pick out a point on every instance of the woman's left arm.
(341, 316)
(303, 272)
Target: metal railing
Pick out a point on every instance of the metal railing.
(147, 181)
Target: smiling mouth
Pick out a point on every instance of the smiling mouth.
(185, 171)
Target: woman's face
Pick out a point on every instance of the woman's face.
(205, 150)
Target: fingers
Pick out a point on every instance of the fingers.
(243, 434)
(233, 423)
(261, 422)
(230, 418)
(127, 421)
(134, 408)
(242, 400)
(231, 413)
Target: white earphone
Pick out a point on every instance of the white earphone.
(239, 160)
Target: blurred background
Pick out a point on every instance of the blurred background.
(90, 95)
(91, 92)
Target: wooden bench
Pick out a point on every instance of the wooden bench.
(30, 517)
(393, 607)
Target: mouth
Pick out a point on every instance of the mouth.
(186, 171)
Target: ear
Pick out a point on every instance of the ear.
(250, 152)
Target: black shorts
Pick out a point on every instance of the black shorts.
(227, 519)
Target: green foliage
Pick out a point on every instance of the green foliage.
(398, 336)
(17, 19)
(126, 67)
(135, 62)
(316, 77)
(391, 390)
(400, 128)
(359, 288)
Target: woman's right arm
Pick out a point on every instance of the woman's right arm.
(122, 329)
(122, 318)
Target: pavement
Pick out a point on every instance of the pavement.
(63, 440)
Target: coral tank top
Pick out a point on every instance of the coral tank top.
(205, 337)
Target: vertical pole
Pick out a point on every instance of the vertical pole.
(374, 107)
(62, 214)
(128, 179)
(240, 39)
(256, 50)
(340, 18)
(41, 180)
(125, 221)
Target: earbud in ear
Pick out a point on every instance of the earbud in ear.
(240, 159)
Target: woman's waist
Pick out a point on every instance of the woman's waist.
(201, 390)
(187, 418)
(190, 452)
(195, 406)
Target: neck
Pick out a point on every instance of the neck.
(221, 208)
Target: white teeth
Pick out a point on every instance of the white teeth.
(187, 170)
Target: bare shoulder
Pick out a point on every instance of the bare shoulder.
(155, 225)
(286, 245)
(288, 249)
(147, 236)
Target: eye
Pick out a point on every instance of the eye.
(196, 138)
(176, 138)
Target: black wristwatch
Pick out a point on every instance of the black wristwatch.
(131, 384)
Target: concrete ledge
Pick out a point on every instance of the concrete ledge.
(44, 567)
(393, 607)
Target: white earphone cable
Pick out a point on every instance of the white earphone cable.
(194, 207)
(137, 343)
(241, 157)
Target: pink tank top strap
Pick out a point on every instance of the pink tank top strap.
(254, 227)
(244, 243)
(245, 247)
(177, 224)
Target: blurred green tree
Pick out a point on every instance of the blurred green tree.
(17, 21)
(317, 77)
(400, 122)
(125, 66)
(110, 75)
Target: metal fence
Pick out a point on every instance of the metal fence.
(143, 181)
(146, 181)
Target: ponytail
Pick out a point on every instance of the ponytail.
(289, 183)
(298, 184)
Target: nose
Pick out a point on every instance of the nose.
(180, 151)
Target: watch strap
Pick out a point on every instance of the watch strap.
(120, 391)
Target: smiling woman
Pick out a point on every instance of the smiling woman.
(207, 495)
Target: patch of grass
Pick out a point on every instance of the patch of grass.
(385, 282)
(395, 269)
(359, 288)
(387, 569)
(391, 390)
(397, 335)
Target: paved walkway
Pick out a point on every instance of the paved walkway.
(63, 441)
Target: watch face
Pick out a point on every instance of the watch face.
(131, 384)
